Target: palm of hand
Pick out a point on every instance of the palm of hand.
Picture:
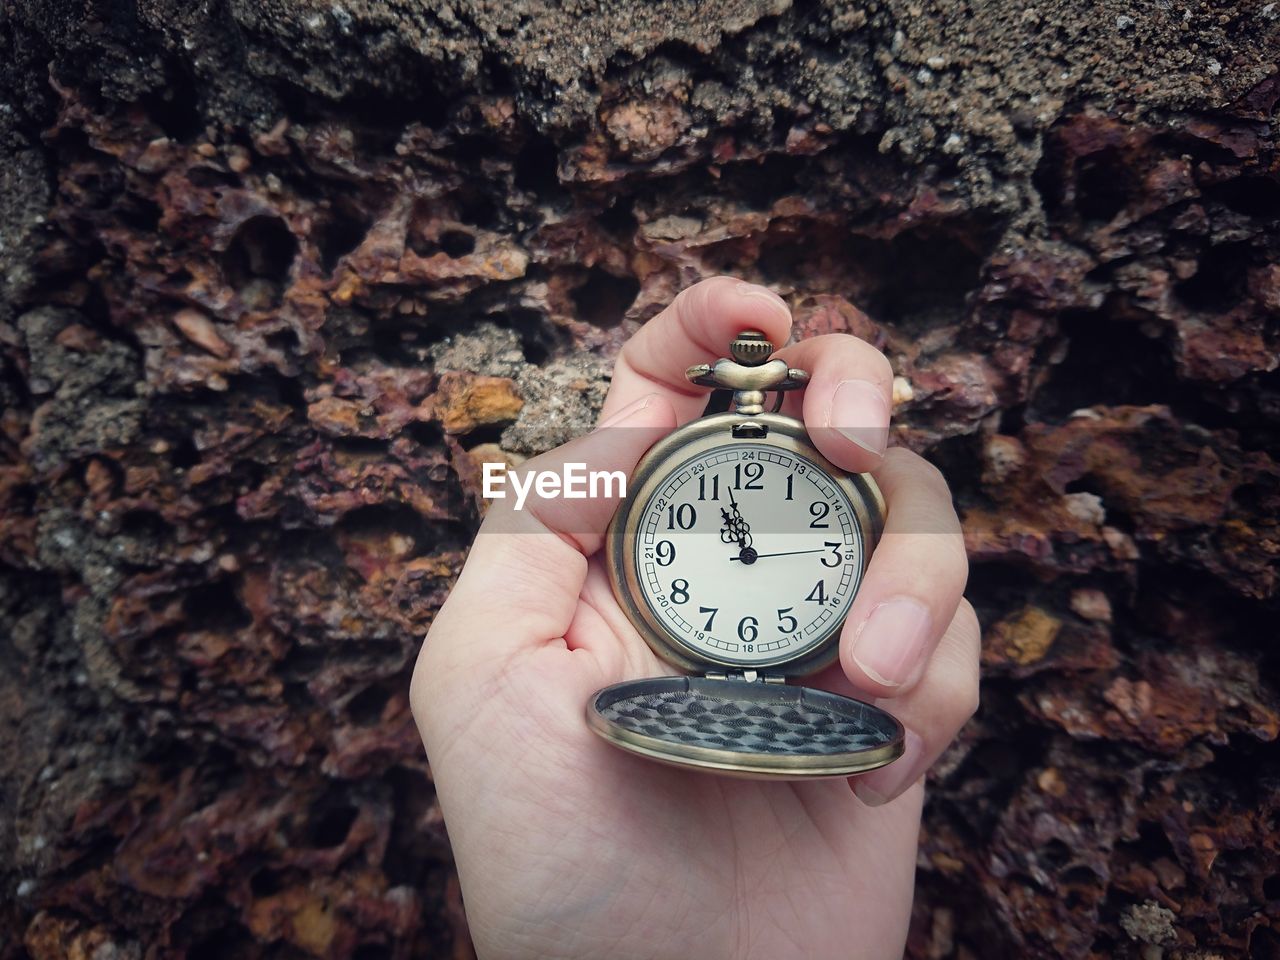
(590, 850)
(569, 848)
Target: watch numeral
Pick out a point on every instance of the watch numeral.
(715, 487)
(753, 473)
(784, 615)
(684, 517)
(791, 479)
(819, 593)
(748, 629)
(819, 510)
(666, 553)
(680, 591)
(711, 610)
(835, 553)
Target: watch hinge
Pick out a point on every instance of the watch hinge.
(747, 676)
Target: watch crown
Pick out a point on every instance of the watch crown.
(750, 348)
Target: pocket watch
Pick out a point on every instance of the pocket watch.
(737, 554)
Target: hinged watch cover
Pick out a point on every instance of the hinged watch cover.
(744, 728)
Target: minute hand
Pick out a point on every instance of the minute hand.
(787, 553)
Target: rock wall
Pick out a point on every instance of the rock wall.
(276, 275)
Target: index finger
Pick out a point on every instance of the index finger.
(696, 327)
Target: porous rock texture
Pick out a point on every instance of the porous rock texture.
(277, 275)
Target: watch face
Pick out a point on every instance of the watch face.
(748, 554)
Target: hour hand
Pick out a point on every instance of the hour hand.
(735, 529)
(728, 531)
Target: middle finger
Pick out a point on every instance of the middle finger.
(913, 583)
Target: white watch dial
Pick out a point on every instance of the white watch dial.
(749, 554)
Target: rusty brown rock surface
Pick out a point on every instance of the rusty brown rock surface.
(278, 277)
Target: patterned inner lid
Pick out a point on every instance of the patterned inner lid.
(746, 718)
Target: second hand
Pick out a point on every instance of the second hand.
(786, 553)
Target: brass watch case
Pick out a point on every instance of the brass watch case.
(759, 685)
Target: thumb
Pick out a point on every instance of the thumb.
(521, 581)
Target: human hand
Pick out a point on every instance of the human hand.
(567, 847)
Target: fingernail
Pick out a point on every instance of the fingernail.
(753, 291)
(860, 412)
(630, 410)
(880, 786)
(889, 645)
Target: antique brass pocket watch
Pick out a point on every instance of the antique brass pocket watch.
(737, 554)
